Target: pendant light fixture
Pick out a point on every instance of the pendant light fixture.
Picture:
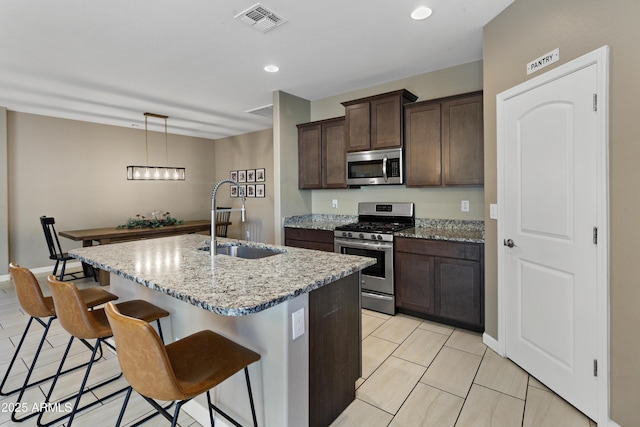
(155, 173)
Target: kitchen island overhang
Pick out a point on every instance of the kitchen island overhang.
(252, 301)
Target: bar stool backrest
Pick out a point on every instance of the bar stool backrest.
(73, 313)
(143, 357)
(29, 292)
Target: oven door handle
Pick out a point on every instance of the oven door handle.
(363, 245)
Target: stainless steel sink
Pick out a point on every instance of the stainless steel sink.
(243, 251)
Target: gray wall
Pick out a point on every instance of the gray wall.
(524, 31)
(248, 151)
(4, 196)
(76, 172)
(288, 111)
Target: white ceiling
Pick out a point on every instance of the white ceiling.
(111, 61)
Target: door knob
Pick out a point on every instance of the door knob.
(509, 243)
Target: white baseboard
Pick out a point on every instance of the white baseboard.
(492, 343)
(43, 270)
(49, 269)
(200, 414)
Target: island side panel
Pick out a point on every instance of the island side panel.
(335, 348)
(279, 380)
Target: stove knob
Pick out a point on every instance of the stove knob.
(379, 237)
(361, 236)
(344, 234)
(349, 235)
(373, 236)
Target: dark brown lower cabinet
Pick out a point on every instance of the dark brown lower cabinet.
(334, 349)
(415, 273)
(441, 280)
(320, 240)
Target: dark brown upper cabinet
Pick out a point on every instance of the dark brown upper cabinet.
(444, 141)
(322, 154)
(423, 144)
(376, 122)
(463, 141)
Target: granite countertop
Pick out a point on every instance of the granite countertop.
(318, 221)
(431, 229)
(450, 230)
(235, 286)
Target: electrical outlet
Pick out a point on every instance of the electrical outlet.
(334, 203)
(297, 323)
(247, 235)
(464, 206)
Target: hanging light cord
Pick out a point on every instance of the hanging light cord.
(146, 138)
(166, 145)
(140, 172)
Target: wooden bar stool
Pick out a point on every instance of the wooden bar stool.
(39, 307)
(82, 323)
(178, 371)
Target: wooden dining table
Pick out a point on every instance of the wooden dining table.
(107, 235)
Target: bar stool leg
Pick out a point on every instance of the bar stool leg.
(124, 406)
(83, 384)
(15, 356)
(53, 384)
(97, 347)
(26, 384)
(253, 409)
(174, 422)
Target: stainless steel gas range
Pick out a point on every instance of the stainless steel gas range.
(372, 236)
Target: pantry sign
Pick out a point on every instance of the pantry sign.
(543, 61)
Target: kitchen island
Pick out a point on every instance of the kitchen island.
(304, 381)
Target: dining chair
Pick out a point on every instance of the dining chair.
(222, 221)
(38, 307)
(178, 371)
(82, 323)
(56, 253)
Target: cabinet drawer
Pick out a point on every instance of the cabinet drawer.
(469, 251)
(321, 236)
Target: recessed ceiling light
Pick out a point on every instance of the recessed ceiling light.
(422, 12)
(271, 69)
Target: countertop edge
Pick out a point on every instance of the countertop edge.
(228, 311)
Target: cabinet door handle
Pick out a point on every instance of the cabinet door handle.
(509, 243)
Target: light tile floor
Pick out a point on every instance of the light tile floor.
(421, 373)
(12, 323)
(415, 373)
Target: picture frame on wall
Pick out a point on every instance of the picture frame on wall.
(260, 175)
(242, 176)
(244, 190)
(260, 190)
(233, 176)
(251, 175)
(251, 190)
(234, 191)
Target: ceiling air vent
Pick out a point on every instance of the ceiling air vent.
(261, 18)
(264, 111)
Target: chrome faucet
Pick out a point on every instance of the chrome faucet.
(214, 247)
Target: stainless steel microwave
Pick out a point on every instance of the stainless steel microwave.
(375, 167)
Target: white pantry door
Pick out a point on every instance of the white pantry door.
(550, 211)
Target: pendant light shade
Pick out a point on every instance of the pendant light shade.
(155, 173)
